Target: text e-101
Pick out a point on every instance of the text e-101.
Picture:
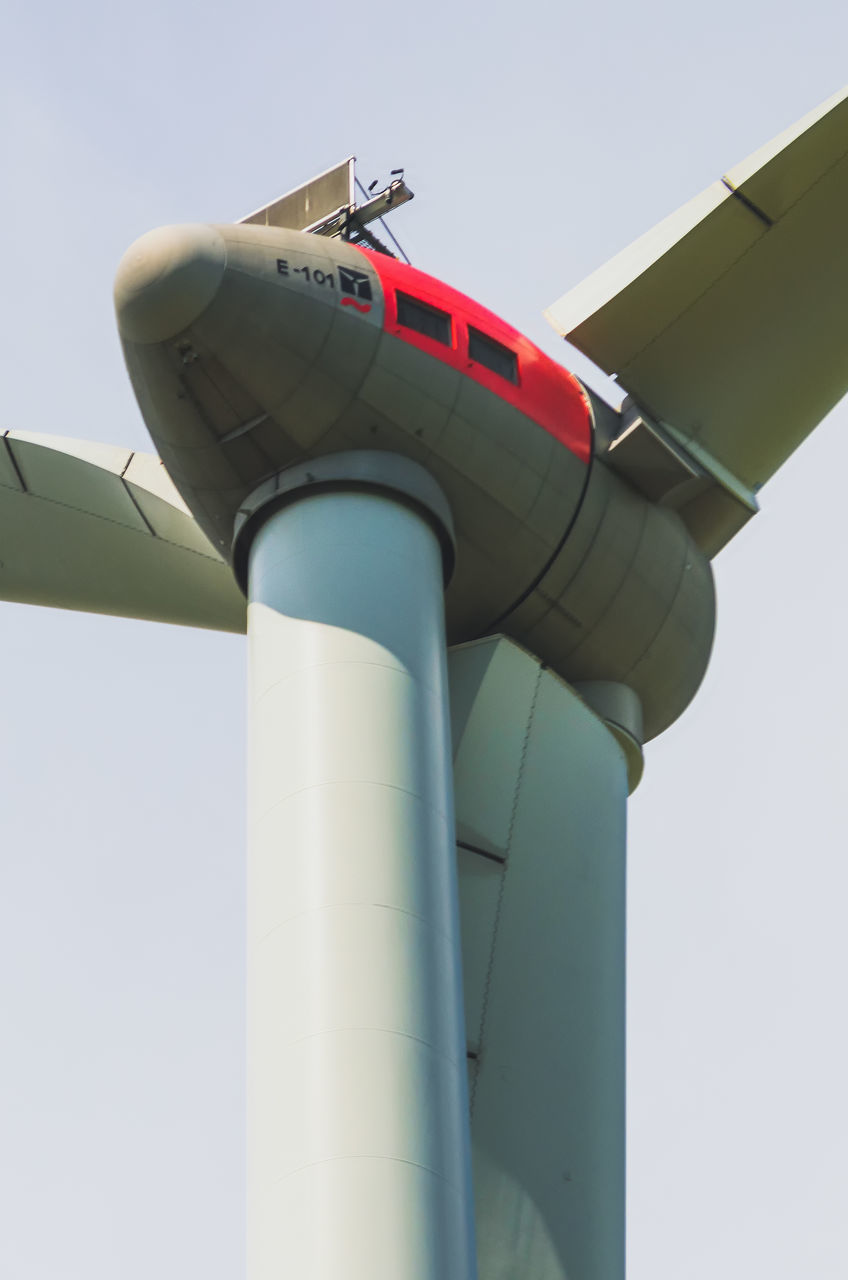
(311, 276)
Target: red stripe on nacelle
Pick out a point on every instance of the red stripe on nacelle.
(545, 392)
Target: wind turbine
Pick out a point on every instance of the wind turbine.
(690, 322)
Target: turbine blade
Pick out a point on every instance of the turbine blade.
(727, 322)
(94, 527)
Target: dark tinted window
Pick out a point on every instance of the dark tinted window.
(424, 319)
(494, 355)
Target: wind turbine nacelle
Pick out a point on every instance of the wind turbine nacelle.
(253, 349)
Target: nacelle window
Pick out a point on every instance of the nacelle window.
(494, 355)
(425, 319)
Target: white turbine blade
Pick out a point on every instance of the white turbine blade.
(94, 527)
(541, 856)
(727, 322)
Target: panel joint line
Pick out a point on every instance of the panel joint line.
(749, 204)
(134, 501)
(483, 853)
(14, 463)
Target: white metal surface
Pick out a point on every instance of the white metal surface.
(307, 204)
(357, 1109)
(541, 788)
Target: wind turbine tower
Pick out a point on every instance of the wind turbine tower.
(472, 591)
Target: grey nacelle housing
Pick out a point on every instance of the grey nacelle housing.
(262, 376)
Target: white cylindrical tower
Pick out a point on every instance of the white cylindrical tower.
(358, 1149)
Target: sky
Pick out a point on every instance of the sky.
(540, 139)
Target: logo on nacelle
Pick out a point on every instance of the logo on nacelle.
(356, 286)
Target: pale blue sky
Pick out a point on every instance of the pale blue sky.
(539, 140)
